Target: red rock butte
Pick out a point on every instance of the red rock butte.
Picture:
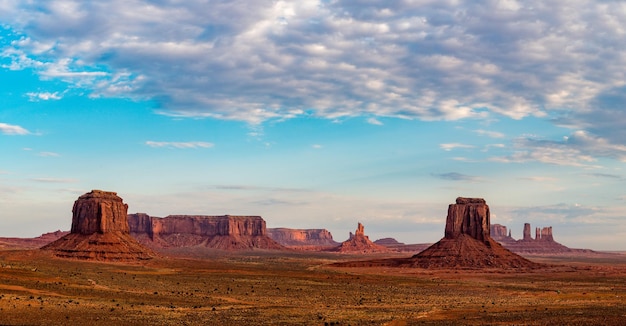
(99, 231)
(467, 242)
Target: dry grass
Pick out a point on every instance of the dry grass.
(280, 288)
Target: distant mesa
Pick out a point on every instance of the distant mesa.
(306, 239)
(388, 242)
(542, 243)
(395, 245)
(31, 243)
(225, 232)
(99, 231)
(359, 242)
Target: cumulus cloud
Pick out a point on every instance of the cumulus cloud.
(181, 145)
(253, 61)
(8, 129)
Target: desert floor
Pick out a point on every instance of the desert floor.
(279, 288)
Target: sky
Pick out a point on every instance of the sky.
(318, 114)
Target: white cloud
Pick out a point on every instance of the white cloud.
(374, 121)
(317, 146)
(8, 129)
(430, 60)
(580, 149)
(451, 146)
(488, 133)
(45, 96)
(181, 145)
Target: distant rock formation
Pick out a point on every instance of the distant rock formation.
(395, 245)
(543, 243)
(217, 232)
(388, 242)
(359, 242)
(500, 233)
(31, 243)
(302, 238)
(466, 244)
(99, 231)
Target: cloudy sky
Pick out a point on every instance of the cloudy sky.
(318, 114)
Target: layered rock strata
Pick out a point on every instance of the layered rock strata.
(302, 238)
(99, 231)
(218, 232)
(359, 242)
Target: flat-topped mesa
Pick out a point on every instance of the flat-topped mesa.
(468, 216)
(99, 212)
(100, 231)
(302, 238)
(225, 232)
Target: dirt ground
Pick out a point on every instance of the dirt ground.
(279, 288)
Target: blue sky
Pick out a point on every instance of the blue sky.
(318, 114)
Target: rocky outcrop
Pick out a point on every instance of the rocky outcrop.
(501, 233)
(100, 231)
(543, 243)
(302, 238)
(218, 232)
(526, 233)
(359, 242)
(467, 242)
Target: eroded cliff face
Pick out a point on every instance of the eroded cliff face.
(218, 232)
(302, 237)
(468, 216)
(99, 211)
(100, 231)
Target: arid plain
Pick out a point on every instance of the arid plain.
(286, 288)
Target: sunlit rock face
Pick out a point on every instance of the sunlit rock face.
(468, 216)
(100, 231)
(99, 211)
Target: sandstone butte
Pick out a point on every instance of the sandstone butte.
(543, 243)
(466, 244)
(99, 231)
(217, 232)
(359, 242)
(308, 239)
